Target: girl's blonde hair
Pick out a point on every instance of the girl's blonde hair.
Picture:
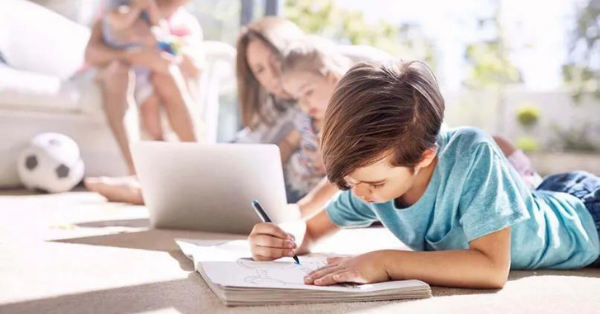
(276, 33)
(314, 54)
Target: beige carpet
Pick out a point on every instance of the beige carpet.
(75, 253)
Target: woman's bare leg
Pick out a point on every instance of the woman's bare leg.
(172, 90)
(150, 114)
(118, 189)
(117, 83)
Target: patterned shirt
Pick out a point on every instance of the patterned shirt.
(307, 163)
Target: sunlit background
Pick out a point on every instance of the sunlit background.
(526, 69)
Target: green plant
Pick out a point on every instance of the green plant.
(581, 71)
(575, 139)
(489, 65)
(527, 144)
(489, 68)
(528, 116)
(324, 18)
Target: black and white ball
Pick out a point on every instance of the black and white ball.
(52, 163)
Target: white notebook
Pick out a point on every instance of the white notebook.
(236, 279)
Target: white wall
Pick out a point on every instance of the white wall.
(557, 107)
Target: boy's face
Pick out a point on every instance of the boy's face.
(379, 182)
(312, 90)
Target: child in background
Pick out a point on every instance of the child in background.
(450, 195)
(310, 71)
(141, 24)
(132, 23)
(166, 77)
(135, 24)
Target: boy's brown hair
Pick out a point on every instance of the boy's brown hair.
(380, 109)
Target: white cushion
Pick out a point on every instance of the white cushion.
(23, 90)
(35, 39)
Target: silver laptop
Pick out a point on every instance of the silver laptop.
(210, 187)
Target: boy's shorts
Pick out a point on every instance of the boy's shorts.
(583, 185)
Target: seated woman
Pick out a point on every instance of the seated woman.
(267, 110)
(121, 41)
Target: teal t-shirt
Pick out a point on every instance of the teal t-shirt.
(474, 192)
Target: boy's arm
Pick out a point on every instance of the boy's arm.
(485, 264)
(269, 242)
(317, 197)
(317, 228)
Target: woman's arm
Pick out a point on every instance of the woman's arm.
(316, 199)
(289, 145)
(97, 53)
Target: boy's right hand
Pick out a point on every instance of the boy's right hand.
(269, 242)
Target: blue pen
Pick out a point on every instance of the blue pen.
(265, 218)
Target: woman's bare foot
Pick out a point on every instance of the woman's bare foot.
(118, 189)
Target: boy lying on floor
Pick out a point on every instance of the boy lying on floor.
(449, 195)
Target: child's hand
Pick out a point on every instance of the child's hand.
(269, 242)
(365, 268)
(191, 67)
(156, 61)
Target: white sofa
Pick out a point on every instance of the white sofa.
(39, 93)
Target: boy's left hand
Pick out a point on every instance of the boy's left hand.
(365, 268)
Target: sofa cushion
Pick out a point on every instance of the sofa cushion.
(28, 91)
(35, 39)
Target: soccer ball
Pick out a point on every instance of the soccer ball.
(52, 163)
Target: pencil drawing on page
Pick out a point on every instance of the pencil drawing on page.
(282, 273)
